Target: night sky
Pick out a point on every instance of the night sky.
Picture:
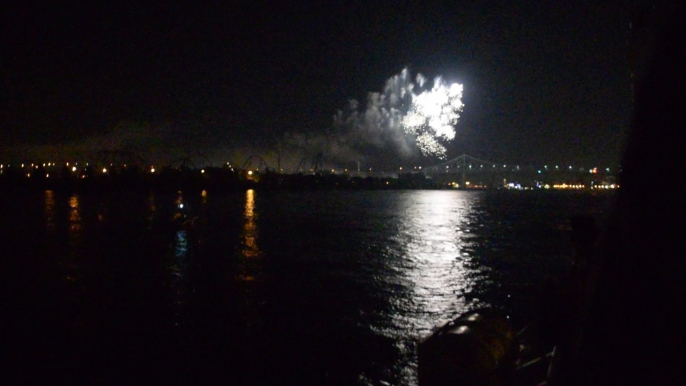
(545, 81)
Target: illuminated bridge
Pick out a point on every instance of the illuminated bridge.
(465, 168)
(462, 164)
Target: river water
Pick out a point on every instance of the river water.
(264, 287)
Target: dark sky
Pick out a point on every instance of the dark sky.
(545, 81)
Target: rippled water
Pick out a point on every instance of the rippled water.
(265, 287)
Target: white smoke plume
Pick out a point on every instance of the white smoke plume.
(408, 116)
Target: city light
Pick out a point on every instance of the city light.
(516, 186)
(569, 186)
(553, 181)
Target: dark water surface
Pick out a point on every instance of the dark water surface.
(263, 287)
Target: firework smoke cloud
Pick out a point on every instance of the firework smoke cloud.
(408, 115)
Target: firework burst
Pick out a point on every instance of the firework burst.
(410, 115)
(432, 117)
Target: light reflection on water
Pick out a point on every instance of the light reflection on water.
(249, 236)
(181, 245)
(74, 221)
(250, 267)
(425, 272)
(182, 218)
(430, 267)
(75, 239)
(74, 213)
(50, 210)
(375, 270)
(179, 282)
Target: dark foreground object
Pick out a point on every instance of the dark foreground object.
(478, 348)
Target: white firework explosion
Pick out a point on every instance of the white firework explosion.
(433, 115)
(407, 115)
